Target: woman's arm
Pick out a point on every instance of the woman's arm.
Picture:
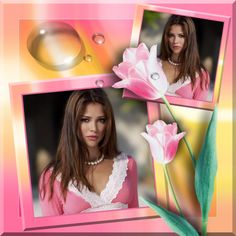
(132, 168)
(53, 206)
(199, 92)
(205, 80)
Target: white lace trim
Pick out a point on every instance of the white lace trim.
(176, 86)
(113, 186)
(116, 179)
(111, 206)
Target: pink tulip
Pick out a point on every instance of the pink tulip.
(163, 140)
(141, 73)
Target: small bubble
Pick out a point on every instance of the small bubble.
(88, 58)
(98, 38)
(100, 83)
(155, 76)
(56, 45)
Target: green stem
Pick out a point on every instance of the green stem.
(181, 130)
(204, 227)
(172, 190)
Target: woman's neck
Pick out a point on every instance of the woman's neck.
(175, 58)
(94, 154)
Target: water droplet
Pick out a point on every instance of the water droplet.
(88, 58)
(100, 83)
(155, 76)
(56, 45)
(98, 38)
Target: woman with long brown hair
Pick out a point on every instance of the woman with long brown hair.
(180, 59)
(88, 173)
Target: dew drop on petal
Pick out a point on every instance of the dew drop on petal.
(56, 45)
(100, 83)
(155, 76)
(98, 38)
(88, 58)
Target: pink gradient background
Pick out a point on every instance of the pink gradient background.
(15, 62)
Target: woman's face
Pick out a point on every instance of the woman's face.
(93, 124)
(176, 39)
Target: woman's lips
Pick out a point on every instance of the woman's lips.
(92, 137)
(176, 47)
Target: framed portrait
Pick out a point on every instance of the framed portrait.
(38, 111)
(150, 23)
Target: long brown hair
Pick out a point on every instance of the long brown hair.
(189, 57)
(72, 151)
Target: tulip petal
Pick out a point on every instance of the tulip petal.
(142, 53)
(130, 55)
(138, 71)
(152, 60)
(171, 128)
(151, 130)
(156, 76)
(171, 150)
(160, 125)
(155, 147)
(139, 87)
(133, 55)
(180, 135)
(172, 146)
(142, 68)
(122, 69)
(161, 138)
(154, 65)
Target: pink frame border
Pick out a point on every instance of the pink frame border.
(223, 222)
(176, 100)
(17, 90)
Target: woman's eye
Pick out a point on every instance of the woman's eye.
(85, 120)
(102, 120)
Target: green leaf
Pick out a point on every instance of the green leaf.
(206, 168)
(177, 223)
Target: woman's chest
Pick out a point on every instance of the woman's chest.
(117, 189)
(171, 72)
(98, 176)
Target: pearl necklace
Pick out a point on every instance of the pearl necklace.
(173, 63)
(92, 163)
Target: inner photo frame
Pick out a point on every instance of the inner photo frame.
(38, 109)
(211, 31)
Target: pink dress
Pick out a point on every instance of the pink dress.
(185, 89)
(120, 192)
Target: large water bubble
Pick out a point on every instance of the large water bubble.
(56, 45)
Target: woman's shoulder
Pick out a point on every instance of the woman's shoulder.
(202, 77)
(45, 176)
(124, 156)
(47, 172)
(130, 161)
(45, 180)
(204, 73)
